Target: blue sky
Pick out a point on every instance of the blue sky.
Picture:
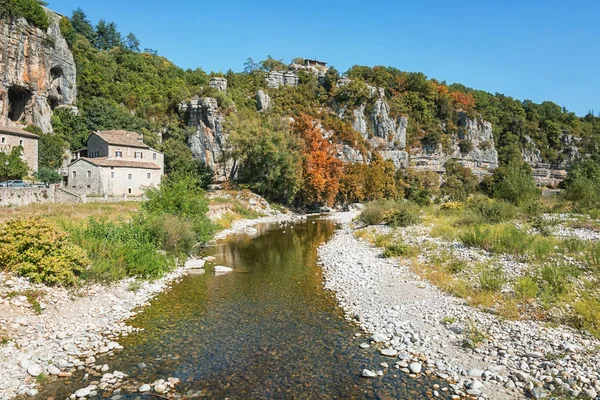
(528, 49)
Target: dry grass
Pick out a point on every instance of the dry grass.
(73, 212)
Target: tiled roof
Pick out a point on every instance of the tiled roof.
(123, 138)
(17, 132)
(112, 162)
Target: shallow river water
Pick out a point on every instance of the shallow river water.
(267, 330)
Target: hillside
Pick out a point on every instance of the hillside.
(235, 124)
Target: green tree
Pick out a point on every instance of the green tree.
(267, 154)
(132, 43)
(51, 151)
(48, 176)
(31, 10)
(71, 127)
(107, 35)
(514, 183)
(583, 185)
(12, 164)
(271, 64)
(459, 181)
(83, 26)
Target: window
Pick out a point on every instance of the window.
(20, 142)
(89, 174)
(129, 190)
(149, 175)
(138, 154)
(74, 173)
(129, 176)
(154, 156)
(112, 174)
(119, 154)
(3, 140)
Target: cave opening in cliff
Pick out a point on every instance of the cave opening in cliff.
(18, 98)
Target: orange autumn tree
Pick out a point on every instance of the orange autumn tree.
(321, 169)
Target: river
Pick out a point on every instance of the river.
(266, 330)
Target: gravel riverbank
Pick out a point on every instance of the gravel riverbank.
(430, 331)
(74, 326)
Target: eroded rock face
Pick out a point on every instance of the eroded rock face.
(263, 101)
(38, 73)
(547, 174)
(218, 83)
(275, 79)
(209, 141)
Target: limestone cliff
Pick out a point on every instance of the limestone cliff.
(209, 140)
(38, 72)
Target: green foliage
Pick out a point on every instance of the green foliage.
(51, 151)
(583, 185)
(48, 176)
(483, 210)
(394, 213)
(268, 155)
(184, 198)
(31, 10)
(526, 288)
(83, 26)
(554, 279)
(12, 164)
(71, 127)
(355, 93)
(271, 64)
(120, 250)
(107, 35)
(399, 249)
(491, 278)
(459, 181)
(39, 250)
(67, 30)
(514, 183)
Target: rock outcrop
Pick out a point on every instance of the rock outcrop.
(37, 71)
(263, 101)
(209, 140)
(551, 174)
(218, 83)
(275, 79)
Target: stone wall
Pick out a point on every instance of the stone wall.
(37, 72)
(17, 197)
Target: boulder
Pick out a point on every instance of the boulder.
(263, 101)
(218, 83)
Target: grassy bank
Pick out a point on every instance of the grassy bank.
(501, 258)
(71, 244)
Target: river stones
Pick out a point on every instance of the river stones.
(415, 367)
(144, 388)
(367, 373)
(221, 269)
(34, 370)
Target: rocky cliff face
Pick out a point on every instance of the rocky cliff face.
(547, 174)
(209, 140)
(38, 73)
(276, 79)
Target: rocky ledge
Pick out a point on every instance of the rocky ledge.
(426, 330)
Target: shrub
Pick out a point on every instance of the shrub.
(593, 256)
(119, 250)
(491, 211)
(183, 198)
(554, 278)
(452, 206)
(399, 249)
(41, 251)
(31, 10)
(526, 288)
(375, 212)
(491, 278)
(402, 215)
(583, 185)
(172, 234)
(588, 315)
(514, 183)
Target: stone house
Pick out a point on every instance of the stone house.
(115, 163)
(13, 137)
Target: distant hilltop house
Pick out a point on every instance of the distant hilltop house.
(12, 137)
(115, 163)
(314, 63)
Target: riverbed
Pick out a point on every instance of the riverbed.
(266, 330)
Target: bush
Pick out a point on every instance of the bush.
(183, 198)
(402, 215)
(376, 211)
(554, 278)
(41, 251)
(583, 185)
(172, 234)
(399, 249)
(526, 288)
(31, 10)
(491, 211)
(120, 250)
(491, 278)
(514, 183)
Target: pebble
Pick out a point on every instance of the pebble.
(367, 373)
(144, 388)
(34, 370)
(415, 368)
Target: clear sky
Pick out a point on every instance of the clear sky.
(527, 49)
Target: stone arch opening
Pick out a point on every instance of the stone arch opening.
(18, 98)
(56, 81)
